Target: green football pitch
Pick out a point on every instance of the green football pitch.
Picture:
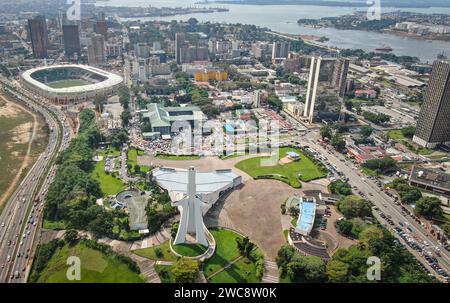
(67, 83)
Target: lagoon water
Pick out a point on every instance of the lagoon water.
(283, 18)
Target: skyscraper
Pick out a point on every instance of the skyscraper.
(179, 43)
(71, 39)
(339, 77)
(37, 29)
(280, 49)
(433, 126)
(327, 78)
(190, 54)
(96, 51)
(101, 28)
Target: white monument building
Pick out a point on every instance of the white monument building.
(194, 193)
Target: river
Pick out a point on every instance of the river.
(283, 18)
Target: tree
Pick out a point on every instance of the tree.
(348, 105)
(131, 184)
(306, 268)
(137, 168)
(370, 234)
(326, 132)
(185, 271)
(274, 101)
(71, 236)
(174, 230)
(99, 102)
(353, 206)
(344, 227)
(294, 211)
(340, 187)
(283, 258)
(380, 165)
(429, 207)
(244, 246)
(337, 271)
(408, 131)
(338, 142)
(366, 131)
(126, 117)
(411, 195)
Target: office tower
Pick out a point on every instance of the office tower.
(96, 51)
(71, 40)
(322, 97)
(280, 49)
(193, 53)
(37, 29)
(100, 28)
(433, 126)
(179, 44)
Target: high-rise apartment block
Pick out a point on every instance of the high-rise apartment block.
(326, 88)
(280, 49)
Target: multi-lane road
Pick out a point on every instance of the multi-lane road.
(20, 219)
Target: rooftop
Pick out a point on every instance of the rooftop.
(164, 116)
(430, 178)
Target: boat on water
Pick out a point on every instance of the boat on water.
(384, 49)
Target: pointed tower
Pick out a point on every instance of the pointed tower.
(191, 214)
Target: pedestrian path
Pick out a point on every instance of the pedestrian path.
(271, 274)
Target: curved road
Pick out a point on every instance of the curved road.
(20, 220)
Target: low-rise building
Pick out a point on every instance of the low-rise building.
(430, 180)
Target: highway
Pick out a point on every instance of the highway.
(20, 221)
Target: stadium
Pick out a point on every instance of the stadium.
(64, 84)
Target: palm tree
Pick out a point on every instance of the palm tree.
(131, 184)
(244, 246)
(99, 102)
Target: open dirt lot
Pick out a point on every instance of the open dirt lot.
(22, 137)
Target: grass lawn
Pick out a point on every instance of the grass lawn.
(370, 172)
(109, 184)
(243, 271)
(294, 221)
(150, 252)
(189, 250)
(286, 233)
(178, 157)
(396, 135)
(235, 155)
(304, 169)
(132, 160)
(54, 225)
(110, 151)
(95, 267)
(67, 83)
(226, 250)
